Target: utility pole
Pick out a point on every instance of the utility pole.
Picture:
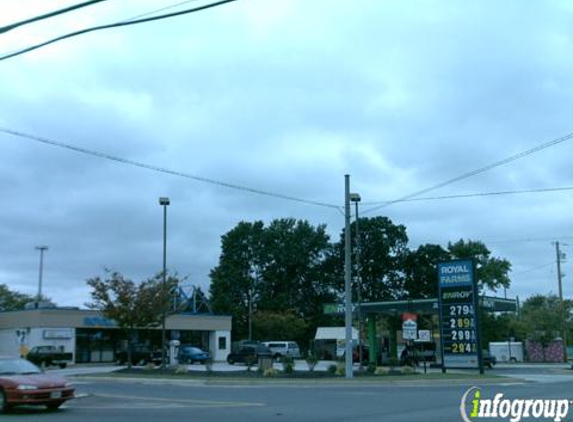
(559, 275)
(250, 293)
(347, 280)
(560, 255)
(41, 249)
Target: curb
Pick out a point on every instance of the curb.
(429, 382)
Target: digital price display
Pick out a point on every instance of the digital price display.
(458, 304)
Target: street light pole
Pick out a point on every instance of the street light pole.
(355, 197)
(347, 281)
(164, 202)
(560, 255)
(41, 249)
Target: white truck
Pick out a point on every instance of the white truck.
(507, 351)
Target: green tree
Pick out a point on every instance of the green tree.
(383, 249)
(421, 271)
(235, 282)
(497, 327)
(272, 269)
(281, 325)
(132, 306)
(14, 301)
(294, 271)
(544, 318)
(492, 272)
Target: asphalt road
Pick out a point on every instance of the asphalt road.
(142, 401)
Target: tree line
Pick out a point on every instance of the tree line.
(275, 279)
(286, 271)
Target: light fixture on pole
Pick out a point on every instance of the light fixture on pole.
(163, 201)
(355, 197)
(41, 249)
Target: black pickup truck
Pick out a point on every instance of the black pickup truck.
(48, 356)
(140, 355)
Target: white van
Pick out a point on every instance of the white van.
(283, 348)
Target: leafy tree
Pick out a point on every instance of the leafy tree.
(273, 268)
(492, 273)
(287, 325)
(497, 327)
(235, 282)
(382, 253)
(544, 318)
(14, 301)
(132, 306)
(294, 272)
(421, 271)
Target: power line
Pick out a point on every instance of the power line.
(474, 195)
(48, 15)
(163, 170)
(528, 240)
(114, 25)
(477, 171)
(152, 12)
(533, 269)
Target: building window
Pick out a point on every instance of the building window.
(222, 343)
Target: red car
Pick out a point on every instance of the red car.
(23, 383)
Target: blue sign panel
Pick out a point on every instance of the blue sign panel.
(458, 307)
(456, 273)
(98, 321)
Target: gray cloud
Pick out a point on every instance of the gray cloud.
(285, 96)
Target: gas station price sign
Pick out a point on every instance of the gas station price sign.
(458, 304)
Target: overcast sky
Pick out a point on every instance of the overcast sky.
(284, 96)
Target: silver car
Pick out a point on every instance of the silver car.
(283, 348)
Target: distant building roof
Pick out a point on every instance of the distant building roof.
(334, 333)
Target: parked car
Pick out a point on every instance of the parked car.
(140, 355)
(48, 356)
(191, 354)
(283, 348)
(243, 354)
(488, 359)
(23, 383)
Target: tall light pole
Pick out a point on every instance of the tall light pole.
(347, 281)
(561, 256)
(41, 249)
(163, 201)
(355, 197)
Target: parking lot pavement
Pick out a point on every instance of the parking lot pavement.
(533, 366)
(134, 401)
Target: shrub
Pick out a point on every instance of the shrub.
(271, 372)
(288, 364)
(311, 361)
(331, 368)
(340, 370)
(381, 370)
(371, 368)
(149, 367)
(181, 369)
(408, 370)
